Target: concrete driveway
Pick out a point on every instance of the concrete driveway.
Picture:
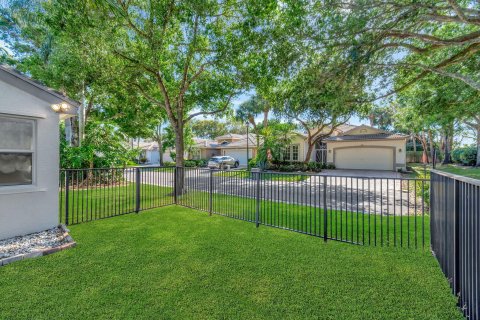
(367, 191)
(362, 173)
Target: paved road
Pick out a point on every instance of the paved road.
(380, 192)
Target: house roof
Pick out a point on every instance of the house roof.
(38, 86)
(240, 143)
(148, 145)
(345, 127)
(205, 143)
(230, 136)
(374, 136)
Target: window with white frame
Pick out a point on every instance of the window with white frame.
(17, 145)
(290, 153)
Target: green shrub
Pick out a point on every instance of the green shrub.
(169, 164)
(465, 155)
(252, 163)
(190, 163)
(315, 166)
(455, 154)
(202, 162)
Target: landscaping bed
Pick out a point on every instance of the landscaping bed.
(34, 245)
(180, 263)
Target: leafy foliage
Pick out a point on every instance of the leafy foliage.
(465, 155)
(104, 147)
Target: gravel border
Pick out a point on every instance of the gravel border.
(35, 245)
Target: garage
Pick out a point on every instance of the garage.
(365, 158)
(239, 154)
(367, 148)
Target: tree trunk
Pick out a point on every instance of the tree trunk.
(423, 141)
(311, 146)
(158, 139)
(432, 146)
(414, 148)
(446, 157)
(478, 145)
(179, 161)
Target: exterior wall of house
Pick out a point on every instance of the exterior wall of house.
(31, 208)
(240, 154)
(398, 146)
(302, 150)
(208, 153)
(362, 130)
(153, 157)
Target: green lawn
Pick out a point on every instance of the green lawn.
(265, 176)
(471, 172)
(101, 202)
(352, 226)
(177, 263)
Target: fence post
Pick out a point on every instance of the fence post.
(138, 182)
(67, 189)
(325, 212)
(456, 255)
(210, 190)
(256, 173)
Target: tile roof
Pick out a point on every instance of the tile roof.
(375, 136)
(345, 127)
(252, 142)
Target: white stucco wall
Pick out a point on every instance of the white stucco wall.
(302, 148)
(399, 145)
(31, 208)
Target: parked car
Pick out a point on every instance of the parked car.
(221, 162)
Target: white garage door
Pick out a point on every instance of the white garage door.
(364, 158)
(239, 154)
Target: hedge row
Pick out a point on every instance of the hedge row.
(465, 155)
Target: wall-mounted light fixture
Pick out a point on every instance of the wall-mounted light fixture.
(400, 150)
(60, 108)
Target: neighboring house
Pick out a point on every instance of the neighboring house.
(29, 153)
(364, 147)
(235, 145)
(149, 151)
(348, 147)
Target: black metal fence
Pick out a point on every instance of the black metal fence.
(455, 228)
(359, 210)
(92, 194)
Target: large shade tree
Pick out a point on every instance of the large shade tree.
(420, 38)
(320, 98)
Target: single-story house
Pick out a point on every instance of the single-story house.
(348, 147)
(29, 153)
(365, 147)
(150, 151)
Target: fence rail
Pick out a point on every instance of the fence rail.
(359, 210)
(92, 194)
(455, 225)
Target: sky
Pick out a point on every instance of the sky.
(355, 120)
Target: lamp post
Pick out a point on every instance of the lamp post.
(248, 139)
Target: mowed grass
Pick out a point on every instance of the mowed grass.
(99, 202)
(471, 172)
(358, 227)
(177, 263)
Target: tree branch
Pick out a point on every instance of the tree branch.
(223, 108)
